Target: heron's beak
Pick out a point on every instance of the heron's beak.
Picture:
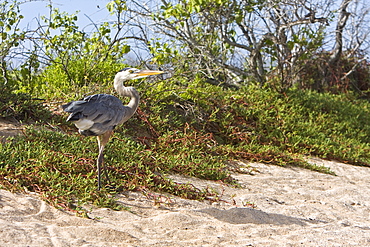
(145, 73)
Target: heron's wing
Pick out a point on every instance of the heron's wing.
(97, 113)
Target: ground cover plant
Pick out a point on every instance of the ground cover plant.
(188, 129)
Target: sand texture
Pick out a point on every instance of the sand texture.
(292, 207)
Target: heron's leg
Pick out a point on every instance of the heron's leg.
(99, 162)
(102, 141)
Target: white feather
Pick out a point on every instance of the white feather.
(84, 124)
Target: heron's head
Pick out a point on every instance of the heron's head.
(133, 73)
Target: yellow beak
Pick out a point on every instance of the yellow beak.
(148, 72)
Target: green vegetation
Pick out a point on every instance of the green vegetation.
(188, 124)
(192, 130)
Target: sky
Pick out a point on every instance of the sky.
(93, 9)
(88, 10)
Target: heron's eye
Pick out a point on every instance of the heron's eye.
(131, 71)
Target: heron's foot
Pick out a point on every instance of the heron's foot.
(108, 187)
(111, 187)
(107, 180)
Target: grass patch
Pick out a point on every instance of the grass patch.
(61, 168)
(190, 130)
(22, 106)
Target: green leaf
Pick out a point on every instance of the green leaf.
(110, 7)
(126, 49)
(4, 36)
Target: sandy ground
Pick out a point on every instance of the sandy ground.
(9, 128)
(292, 207)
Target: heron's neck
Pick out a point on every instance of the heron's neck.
(128, 92)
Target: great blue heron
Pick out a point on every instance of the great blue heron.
(98, 114)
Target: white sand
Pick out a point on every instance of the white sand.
(294, 207)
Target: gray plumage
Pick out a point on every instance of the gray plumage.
(106, 111)
(98, 114)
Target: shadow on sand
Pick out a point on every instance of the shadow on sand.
(249, 215)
